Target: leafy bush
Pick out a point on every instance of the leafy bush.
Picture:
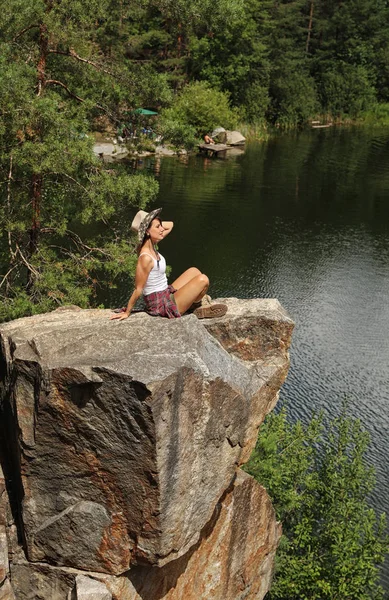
(180, 134)
(333, 543)
(293, 98)
(256, 102)
(346, 89)
(202, 108)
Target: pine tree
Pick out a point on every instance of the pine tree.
(235, 58)
(349, 48)
(55, 81)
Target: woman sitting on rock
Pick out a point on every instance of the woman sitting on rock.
(208, 139)
(161, 299)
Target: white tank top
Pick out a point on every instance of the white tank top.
(157, 280)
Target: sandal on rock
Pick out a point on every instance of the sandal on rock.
(210, 311)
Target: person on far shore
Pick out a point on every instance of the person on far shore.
(188, 291)
(208, 139)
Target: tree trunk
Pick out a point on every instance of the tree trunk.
(120, 16)
(37, 179)
(179, 40)
(37, 186)
(310, 26)
(43, 51)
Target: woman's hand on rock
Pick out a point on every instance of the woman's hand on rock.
(120, 316)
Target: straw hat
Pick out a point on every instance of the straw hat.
(142, 221)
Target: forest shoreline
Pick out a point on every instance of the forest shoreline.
(260, 132)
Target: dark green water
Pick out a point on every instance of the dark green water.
(303, 218)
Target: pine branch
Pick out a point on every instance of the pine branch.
(57, 82)
(80, 244)
(99, 106)
(11, 251)
(77, 242)
(23, 31)
(74, 55)
(71, 179)
(27, 264)
(5, 278)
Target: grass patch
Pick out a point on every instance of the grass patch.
(378, 115)
(255, 131)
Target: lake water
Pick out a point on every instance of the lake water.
(303, 218)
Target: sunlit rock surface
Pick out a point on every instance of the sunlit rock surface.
(122, 442)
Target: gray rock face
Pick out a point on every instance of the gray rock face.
(6, 591)
(82, 525)
(5, 587)
(232, 560)
(4, 563)
(38, 581)
(219, 135)
(126, 435)
(235, 138)
(90, 589)
(231, 138)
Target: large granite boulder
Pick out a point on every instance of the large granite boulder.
(124, 438)
(235, 138)
(231, 138)
(232, 560)
(219, 135)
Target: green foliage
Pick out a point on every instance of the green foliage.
(201, 108)
(200, 14)
(160, 32)
(235, 58)
(281, 60)
(347, 90)
(333, 544)
(293, 98)
(179, 134)
(273, 66)
(254, 131)
(256, 102)
(379, 113)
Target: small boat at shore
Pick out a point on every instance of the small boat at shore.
(318, 125)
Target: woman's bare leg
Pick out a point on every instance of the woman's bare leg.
(191, 292)
(185, 277)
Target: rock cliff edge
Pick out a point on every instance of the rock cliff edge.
(120, 449)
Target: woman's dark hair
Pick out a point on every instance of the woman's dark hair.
(140, 245)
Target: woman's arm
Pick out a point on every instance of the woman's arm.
(143, 268)
(167, 226)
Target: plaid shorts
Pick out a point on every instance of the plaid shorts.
(162, 304)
